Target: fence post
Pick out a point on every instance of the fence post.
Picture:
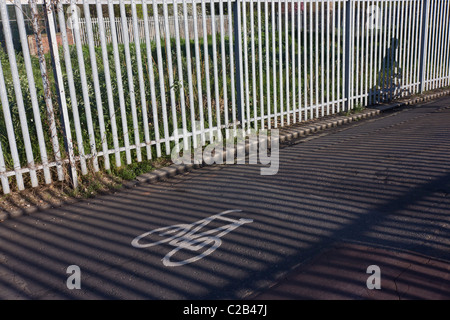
(423, 44)
(59, 83)
(347, 54)
(238, 60)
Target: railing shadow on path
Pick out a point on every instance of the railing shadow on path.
(384, 185)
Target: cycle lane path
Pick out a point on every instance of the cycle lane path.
(381, 184)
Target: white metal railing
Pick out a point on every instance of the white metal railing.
(141, 29)
(111, 97)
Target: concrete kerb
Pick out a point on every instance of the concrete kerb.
(286, 135)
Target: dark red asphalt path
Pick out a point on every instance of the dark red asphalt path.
(341, 273)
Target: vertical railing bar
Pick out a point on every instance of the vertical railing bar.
(151, 77)
(252, 48)
(81, 25)
(267, 36)
(198, 73)
(333, 56)
(423, 44)
(126, 41)
(367, 53)
(189, 76)
(118, 26)
(347, 54)
(373, 53)
(311, 70)
(407, 56)
(107, 74)
(433, 31)
(381, 53)
(232, 70)
(380, 76)
(316, 54)
(376, 45)
(360, 54)
(328, 48)
(433, 47)
(385, 27)
(443, 38)
(399, 85)
(18, 92)
(10, 131)
(401, 46)
(429, 47)
(305, 65)
(437, 62)
(280, 62)
(439, 71)
(60, 93)
(353, 55)
(448, 47)
(286, 43)
(340, 82)
(260, 60)
(441, 46)
(206, 60)
(444, 57)
(389, 50)
(322, 58)
(299, 36)
(357, 52)
(72, 91)
(247, 86)
(413, 49)
(364, 55)
(395, 68)
(215, 70)
(294, 107)
(274, 68)
(340, 65)
(161, 77)
(415, 74)
(180, 76)
(98, 98)
(142, 90)
(224, 68)
(119, 82)
(397, 82)
(436, 44)
(378, 50)
(32, 91)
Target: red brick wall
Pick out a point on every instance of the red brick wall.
(45, 44)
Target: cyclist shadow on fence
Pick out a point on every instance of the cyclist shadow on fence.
(388, 85)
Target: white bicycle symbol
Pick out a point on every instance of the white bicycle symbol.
(186, 237)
